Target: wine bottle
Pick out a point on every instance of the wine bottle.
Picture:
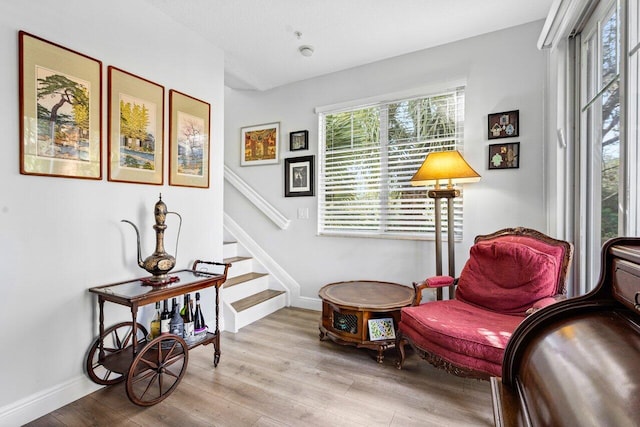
(184, 306)
(199, 325)
(188, 320)
(155, 322)
(165, 319)
(176, 326)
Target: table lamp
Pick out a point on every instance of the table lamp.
(444, 168)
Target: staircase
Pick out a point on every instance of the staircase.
(250, 292)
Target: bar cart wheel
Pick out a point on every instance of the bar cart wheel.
(157, 370)
(116, 339)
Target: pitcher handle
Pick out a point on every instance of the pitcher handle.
(178, 236)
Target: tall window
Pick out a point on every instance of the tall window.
(368, 155)
(600, 134)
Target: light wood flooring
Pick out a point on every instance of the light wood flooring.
(276, 372)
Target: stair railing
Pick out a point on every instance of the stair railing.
(252, 195)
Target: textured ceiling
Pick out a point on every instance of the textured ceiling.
(260, 44)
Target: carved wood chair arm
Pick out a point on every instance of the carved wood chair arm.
(431, 283)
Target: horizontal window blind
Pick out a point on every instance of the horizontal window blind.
(368, 156)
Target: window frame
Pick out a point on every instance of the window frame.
(590, 89)
(427, 205)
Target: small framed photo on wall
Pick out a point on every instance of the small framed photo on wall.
(299, 176)
(299, 140)
(260, 144)
(504, 125)
(504, 156)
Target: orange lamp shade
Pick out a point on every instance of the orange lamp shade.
(444, 167)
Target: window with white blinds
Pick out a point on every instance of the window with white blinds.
(368, 155)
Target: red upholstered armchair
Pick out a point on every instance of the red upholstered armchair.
(510, 274)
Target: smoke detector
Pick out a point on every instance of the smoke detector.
(306, 50)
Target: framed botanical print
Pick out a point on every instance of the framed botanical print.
(299, 176)
(189, 130)
(260, 144)
(60, 110)
(504, 156)
(504, 125)
(136, 128)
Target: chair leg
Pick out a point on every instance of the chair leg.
(400, 343)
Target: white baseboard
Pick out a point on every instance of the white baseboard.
(46, 401)
(308, 303)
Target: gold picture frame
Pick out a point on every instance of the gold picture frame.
(135, 129)
(189, 133)
(60, 110)
(260, 144)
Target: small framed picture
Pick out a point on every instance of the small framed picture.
(260, 144)
(381, 329)
(299, 140)
(504, 156)
(504, 125)
(298, 176)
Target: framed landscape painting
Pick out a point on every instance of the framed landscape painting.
(136, 128)
(260, 144)
(60, 110)
(189, 127)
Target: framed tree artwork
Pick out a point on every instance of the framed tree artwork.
(136, 128)
(60, 110)
(189, 130)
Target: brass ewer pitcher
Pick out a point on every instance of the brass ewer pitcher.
(159, 263)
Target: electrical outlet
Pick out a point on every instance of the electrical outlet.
(303, 213)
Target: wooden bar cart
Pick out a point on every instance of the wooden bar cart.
(152, 368)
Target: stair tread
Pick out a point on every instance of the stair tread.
(255, 299)
(233, 259)
(232, 281)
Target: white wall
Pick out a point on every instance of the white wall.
(503, 70)
(60, 236)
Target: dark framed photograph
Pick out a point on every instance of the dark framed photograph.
(60, 110)
(504, 125)
(298, 176)
(299, 140)
(504, 156)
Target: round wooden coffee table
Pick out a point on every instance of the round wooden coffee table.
(363, 313)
